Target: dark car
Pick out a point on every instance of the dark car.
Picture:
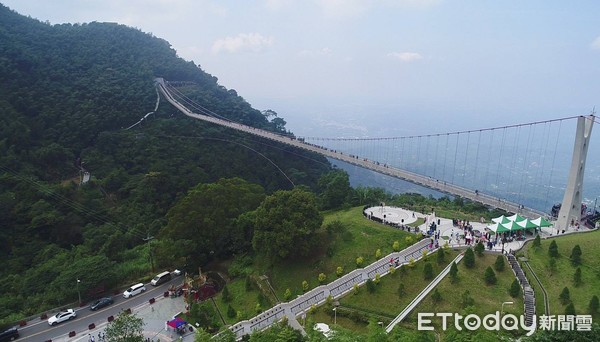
(9, 335)
(100, 303)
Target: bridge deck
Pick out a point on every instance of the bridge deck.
(412, 177)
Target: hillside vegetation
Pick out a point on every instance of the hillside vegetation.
(67, 93)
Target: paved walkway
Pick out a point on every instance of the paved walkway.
(446, 228)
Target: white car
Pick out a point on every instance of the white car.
(62, 316)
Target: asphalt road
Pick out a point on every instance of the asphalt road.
(39, 330)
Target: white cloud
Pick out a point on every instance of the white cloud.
(405, 56)
(596, 44)
(243, 41)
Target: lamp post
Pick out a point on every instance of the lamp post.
(78, 293)
(502, 307)
(334, 316)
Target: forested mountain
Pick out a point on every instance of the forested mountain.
(67, 93)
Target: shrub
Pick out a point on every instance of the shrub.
(322, 278)
(499, 264)
(577, 277)
(241, 266)
(436, 296)
(515, 289)
(428, 271)
(467, 300)
(304, 285)
(248, 284)
(594, 305)
(392, 270)
(401, 291)
(411, 263)
(553, 249)
(370, 285)
(425, 252)
(396, 246)
(225, 295)
(378, 253)
(490, 276)
(258, 308)
(329, 301)
(469, 258)
(355, 288)
(537, 242)
(359, 261)
(409, 240)
(570, 309)
(453, 273)
(552, 265)
(565, 296)
(479, 249)
(377, 278)
(440, 256)
(576, 256)
(231, 313)
(339, 271)
(288, 294)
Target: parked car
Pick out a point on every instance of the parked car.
(9, 335)
(161, 278)
(62, 316)
(134, 290)
(100, 303)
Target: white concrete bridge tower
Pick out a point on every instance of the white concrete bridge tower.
(570, 210)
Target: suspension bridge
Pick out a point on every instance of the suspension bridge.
(491, 152)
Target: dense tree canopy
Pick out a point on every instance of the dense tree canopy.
(207, 216)
(68, 92)
(285, 224)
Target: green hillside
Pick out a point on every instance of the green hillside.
(68, 91)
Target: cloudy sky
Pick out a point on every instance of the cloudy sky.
(361, 64)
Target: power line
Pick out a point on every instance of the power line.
(70, 203)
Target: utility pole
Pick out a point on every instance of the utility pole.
(148, 239)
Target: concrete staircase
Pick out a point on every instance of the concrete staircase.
(528, 294)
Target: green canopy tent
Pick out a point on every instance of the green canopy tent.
(527, 224)
(541, 222)
(497, 228)
(501, 219)
(511, 226)
(516, 218)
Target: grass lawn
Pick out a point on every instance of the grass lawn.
(385, 301)
(241, 300)
(487, 298)
(362, 239)
(555, 280)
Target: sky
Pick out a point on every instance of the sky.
(358, 65)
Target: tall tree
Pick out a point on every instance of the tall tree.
(207, 216)
(334, 189)
(125, 328)
(469, 258)
(285, 224)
